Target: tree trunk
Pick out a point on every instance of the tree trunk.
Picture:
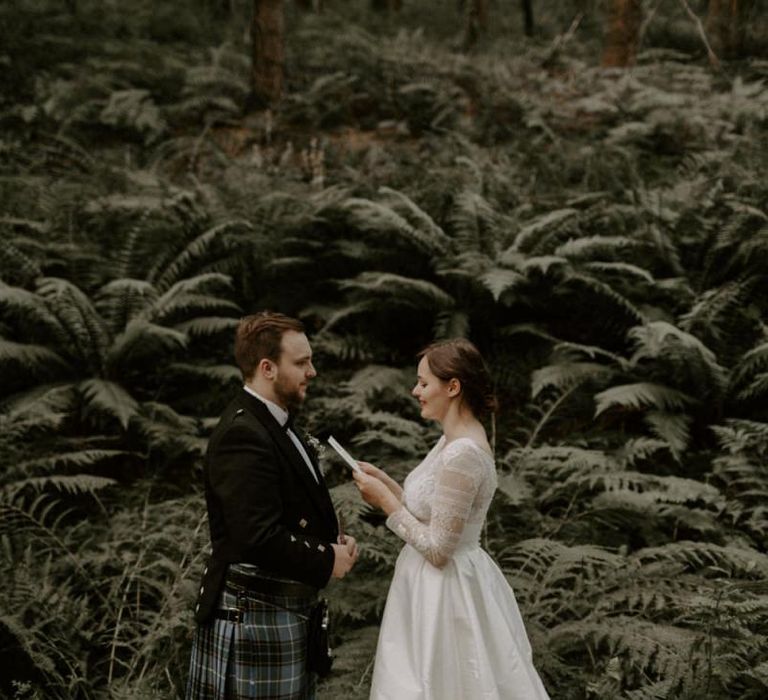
(310, 5)
(621, 36)
(268, 52)
(726, 26)
(527, 17)
(387, 5)
(476, 23)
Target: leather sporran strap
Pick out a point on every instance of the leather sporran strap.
(319, 655)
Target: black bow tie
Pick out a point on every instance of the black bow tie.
(288, 425)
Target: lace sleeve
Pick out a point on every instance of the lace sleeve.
(456, 486)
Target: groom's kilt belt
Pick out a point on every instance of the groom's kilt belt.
(254, 644)
(249, 581)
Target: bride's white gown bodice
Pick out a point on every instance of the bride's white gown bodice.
(451, 628)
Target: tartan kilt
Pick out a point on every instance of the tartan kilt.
(262, 656)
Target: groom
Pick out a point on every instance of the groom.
(274, 533)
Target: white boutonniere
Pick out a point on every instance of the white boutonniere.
(317, 447)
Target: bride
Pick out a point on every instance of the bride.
(451, 628)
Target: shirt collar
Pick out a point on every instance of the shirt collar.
(278, 413)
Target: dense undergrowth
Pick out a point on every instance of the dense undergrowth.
(602, 235)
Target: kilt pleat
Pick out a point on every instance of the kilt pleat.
(262, 656)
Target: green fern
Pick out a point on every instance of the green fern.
(641, 395)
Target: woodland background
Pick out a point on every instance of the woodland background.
(578, 186)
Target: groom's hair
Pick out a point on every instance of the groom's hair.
(259, 336)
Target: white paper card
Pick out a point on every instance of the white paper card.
(343, 454)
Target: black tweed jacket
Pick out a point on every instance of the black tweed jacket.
(264, 507)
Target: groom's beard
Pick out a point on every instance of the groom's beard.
(289, 396)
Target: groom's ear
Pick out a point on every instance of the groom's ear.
(266, 368)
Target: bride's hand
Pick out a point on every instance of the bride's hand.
(368, 468)
(375, 492)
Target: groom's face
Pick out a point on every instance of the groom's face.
(294, 370)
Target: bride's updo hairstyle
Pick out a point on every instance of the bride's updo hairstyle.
(458, 358)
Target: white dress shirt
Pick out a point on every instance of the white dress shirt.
(281, 416)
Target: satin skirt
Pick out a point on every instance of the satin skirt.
(453, 634)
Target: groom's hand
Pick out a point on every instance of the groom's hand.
(343, 559)
(351, 544)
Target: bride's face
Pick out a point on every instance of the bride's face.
(433, 394)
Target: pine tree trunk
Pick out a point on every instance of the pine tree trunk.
(726, 26)
(621, 36)
(527, 8)
(268, 52)
(387, 5)
(310, 5)
(476, 22)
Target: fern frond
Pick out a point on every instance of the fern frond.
(500, 280)
(515, 489)
(602, 248)
(452, 323)
(199, 249)
(541, 263)
(475, 223)
(348, 311)
(57, 397)
(566, 375)
(216, 374)
(348, 504)
(87, 330)
(635, 488)
(604, 291)
(398, 215)
(652, 339)
(398, 434)
(753, 362)
(207, 325)
(141, 339)
(565, 350)
(398, 290)
(21, 265)
(122, 299)
(739, 436)
(757, 388)
(542, 559)
(110, 398)
(68, 460)
(347, 348)
(656, 648)
(26, 304)
(641, 395)
(706, 556)
(36, 359)
(72, 484)
(169, 431)
(639, 449)
(719, 316)
(190, 295)
(375, 378)
(621, 268)
(672, 427)
(532, 237)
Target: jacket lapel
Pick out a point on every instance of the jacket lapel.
(317, 492)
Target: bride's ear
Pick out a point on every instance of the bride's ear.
(454, 387)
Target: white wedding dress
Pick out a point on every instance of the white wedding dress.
(451, 628)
